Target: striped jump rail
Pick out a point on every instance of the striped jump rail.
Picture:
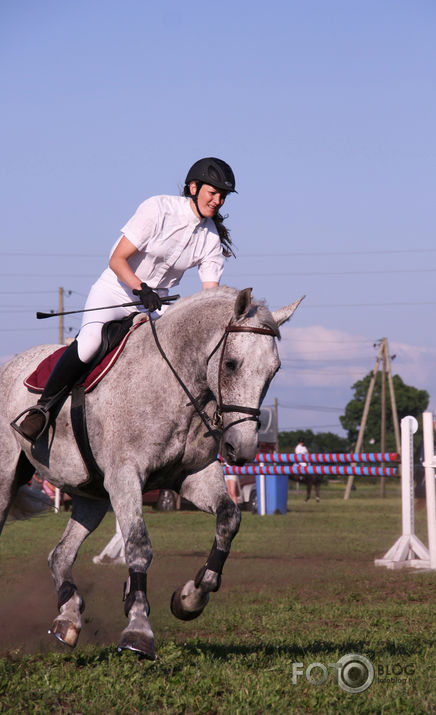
(329, 469)
(291, 458)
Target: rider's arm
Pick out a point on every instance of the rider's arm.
(209, 284)
(118, 263)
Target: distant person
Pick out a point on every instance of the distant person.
(232, 484)
(316, 480)
(164, 238)
(309, 479)
(301, 449)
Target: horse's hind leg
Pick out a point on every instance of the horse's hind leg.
(86, 516)
(207, 490)
(17, 471)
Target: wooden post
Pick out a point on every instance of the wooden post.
(364, 418)
(383, 415)
(383, 354)
(393, 403)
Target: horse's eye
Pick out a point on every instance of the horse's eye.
(231, 365)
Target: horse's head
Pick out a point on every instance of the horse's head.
(240, 370)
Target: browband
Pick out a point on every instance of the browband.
(232, 328)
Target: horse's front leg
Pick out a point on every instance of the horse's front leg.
(86, 516)
(137, 636)
(207, 490)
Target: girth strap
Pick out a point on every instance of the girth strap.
(93, 486)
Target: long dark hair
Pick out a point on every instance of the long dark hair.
(218, 219)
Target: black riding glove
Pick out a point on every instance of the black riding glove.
(149, 298)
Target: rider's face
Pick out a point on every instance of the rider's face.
(209, 199)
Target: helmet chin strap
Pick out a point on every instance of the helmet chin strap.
(195, 198)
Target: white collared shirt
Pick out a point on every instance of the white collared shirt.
(301, 449)
(170, 239)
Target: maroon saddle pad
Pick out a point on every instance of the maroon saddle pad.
(38, 378)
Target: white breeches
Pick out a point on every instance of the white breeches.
(89, 337)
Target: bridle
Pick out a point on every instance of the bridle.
(215, 426)
(253, 412)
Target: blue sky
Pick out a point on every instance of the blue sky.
(325, 110)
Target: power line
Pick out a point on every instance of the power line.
(321, 360)
(68, 292)
(244, 275)
(310, 408)
(356, 370)
(322, 341)
(333, 273)
(369, 305)
(42, 254)
(393, 251)
(58, 275)
(340, 253)
(298, 427)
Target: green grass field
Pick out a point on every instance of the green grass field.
(298, 589)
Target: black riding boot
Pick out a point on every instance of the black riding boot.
(66, 373)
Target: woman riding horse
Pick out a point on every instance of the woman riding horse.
(166, 236)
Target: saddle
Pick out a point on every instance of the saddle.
(114, 338)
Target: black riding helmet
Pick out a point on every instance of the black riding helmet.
(214, 172)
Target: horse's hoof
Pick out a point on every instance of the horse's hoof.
(178, 610)
(139, 643)
(65, 631)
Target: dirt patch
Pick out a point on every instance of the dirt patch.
(28, 600)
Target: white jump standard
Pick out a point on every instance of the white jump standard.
(408, 550)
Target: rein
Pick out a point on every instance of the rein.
(204, 417)
(215, 427)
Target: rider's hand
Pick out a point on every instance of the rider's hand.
(149, 298)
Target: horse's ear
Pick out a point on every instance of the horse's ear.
(243, 302)
(283, 314)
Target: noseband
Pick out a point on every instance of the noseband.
(253, 412)
(217, 429)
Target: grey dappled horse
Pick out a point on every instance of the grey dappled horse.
(145, 433)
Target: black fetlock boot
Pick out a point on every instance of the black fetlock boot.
(65, 374)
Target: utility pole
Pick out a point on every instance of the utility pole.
(382, 355)
(61, 317)
(383, 419)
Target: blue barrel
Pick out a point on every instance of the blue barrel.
(276, 493)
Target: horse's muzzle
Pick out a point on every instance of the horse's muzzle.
(238, 451)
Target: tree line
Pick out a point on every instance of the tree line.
(410, 401)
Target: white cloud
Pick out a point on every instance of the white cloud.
(319, 356)
(416, 365)
(316, 356)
